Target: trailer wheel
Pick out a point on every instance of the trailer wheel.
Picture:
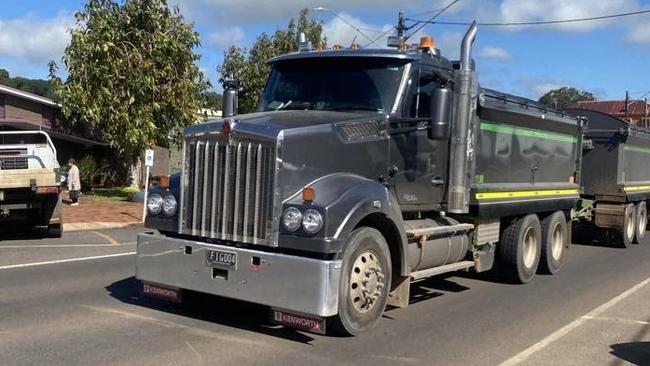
(624, 236)
(365, 282)
(555, 243)
(641, 221)
(520, 249)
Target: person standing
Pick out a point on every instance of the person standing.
(74, 183)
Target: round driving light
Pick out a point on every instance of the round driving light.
(154, 204)
(169, 205)
(291, 218)
(312, 221)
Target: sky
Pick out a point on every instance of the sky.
(605, 57)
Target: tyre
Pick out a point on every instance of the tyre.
(54, 231)
(641, 221)
(520, 249)
(365, 282)
(556, 240)
(624, 236)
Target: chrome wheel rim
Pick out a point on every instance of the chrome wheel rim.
(367, 282)
(530, 244)
(643, 221)
(629, 227)
(557, 241)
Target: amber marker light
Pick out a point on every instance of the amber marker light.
(308, 194)
(427, 42)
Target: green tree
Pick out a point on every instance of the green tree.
(213, 100)
(249, 65)
(565, 97)
(132, 74)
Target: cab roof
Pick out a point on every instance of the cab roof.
(378, 53)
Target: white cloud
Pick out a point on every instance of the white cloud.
(535, 10)
(225, 38)
(338, 31)
(639, 33)
(496, 53)
(537, 87)
(35, 40)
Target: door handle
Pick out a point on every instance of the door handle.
(437, 181)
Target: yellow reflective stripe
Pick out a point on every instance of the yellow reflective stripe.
(636, 188)
(521, 194)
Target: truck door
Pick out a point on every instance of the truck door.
(417, 164)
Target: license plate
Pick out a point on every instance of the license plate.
(307, 323)
(165, 293)
(222, 258)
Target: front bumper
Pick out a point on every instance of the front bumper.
(283, 281)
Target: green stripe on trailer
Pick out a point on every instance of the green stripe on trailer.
(637, 149)
(526, 132)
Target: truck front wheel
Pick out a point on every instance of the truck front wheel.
(555, 243)
(365, 282)
(520, 249)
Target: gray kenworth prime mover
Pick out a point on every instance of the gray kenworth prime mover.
(363, 170)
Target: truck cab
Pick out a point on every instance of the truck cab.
(357, 176)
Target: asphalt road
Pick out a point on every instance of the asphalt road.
(90, 312)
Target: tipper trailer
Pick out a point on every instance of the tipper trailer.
(615, 178)
(363, 170)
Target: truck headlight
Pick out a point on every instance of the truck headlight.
(291, 218)
(154, 203)
(169, 205)
(312, 221)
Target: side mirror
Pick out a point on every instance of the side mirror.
(440, 113)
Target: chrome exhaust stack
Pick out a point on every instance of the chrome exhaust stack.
(465, 106)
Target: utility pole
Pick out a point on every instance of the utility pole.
(627, 102)
(401, 27)
(645, 113)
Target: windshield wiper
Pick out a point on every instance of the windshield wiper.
(356, 108)
(284, 105)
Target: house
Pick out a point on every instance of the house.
(637, 110)
(20, 110)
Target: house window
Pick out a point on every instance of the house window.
(2, 106)
(48, 117)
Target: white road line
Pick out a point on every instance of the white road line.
(616, 320)
(23, 265)
(522, 356)
(63, 246)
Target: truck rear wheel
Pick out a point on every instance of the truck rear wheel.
(365, 282)
(520, 249)
(555, 243)
(624, 236)
(641, 221)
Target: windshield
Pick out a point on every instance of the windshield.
(341, 84)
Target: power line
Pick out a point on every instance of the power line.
(426, 12)
(541, 22)
(320, 8)
(380, 37)
(431, 19)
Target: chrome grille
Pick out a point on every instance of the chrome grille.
(227, 190)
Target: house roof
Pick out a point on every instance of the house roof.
(29, 96)
(613, 107)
